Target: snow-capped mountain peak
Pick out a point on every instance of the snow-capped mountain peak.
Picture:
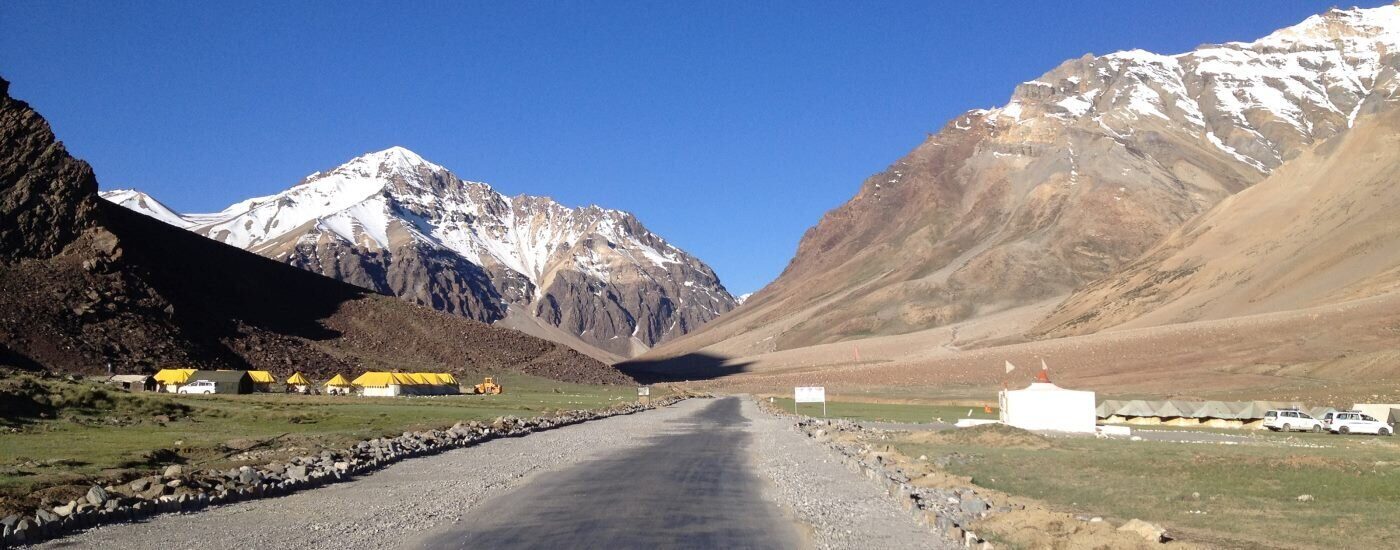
(389, 162)
(145, 204)
(591, 270)
(1255, 102)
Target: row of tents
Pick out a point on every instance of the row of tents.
(373, 383)
(1211, 413)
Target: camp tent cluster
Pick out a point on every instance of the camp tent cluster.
(1220, 414)
(389, 384)
(373, 383)
(227, 381)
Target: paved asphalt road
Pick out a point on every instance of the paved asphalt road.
(692, 486)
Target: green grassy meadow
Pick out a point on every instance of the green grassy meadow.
(90, 432)
(1221, 495)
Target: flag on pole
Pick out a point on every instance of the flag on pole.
(1010, 367)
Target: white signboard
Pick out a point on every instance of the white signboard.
(812, 394)
(644, 390)
(815, 394)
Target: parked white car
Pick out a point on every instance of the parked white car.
(198, 386)
(1328, 418)
(1289, 420)
(1352, 422)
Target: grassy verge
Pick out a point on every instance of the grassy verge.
(1221, 495)
(887, 412)
(81, 432)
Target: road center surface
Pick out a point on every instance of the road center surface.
(690, 487)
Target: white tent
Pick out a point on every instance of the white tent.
(1046, 407)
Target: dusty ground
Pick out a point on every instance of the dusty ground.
(1330, 355)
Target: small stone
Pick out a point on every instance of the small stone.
(140, 484)
(1148, 531)
(45, 516)
(297, 473)
(67, 509)
(97, 495)
(1305, 498)
(174, 471)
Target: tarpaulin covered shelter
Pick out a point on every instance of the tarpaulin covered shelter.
(1136, 408)
(1384, 412)
(1044, 406)
(172, 379)
(389, 384)
(298, 382)
(1216, 409)
(338, 385)
(262, 380)
(133, 382)
(226, 381)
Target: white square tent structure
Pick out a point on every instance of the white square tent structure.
(391, 384)
(1046, 407)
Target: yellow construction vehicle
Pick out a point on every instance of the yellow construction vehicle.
(489, 387)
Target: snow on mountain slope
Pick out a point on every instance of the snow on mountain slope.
(1256, 101)
(145, 204)
(394, 222)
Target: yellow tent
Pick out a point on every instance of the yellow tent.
(432, 378)
(174, 376)
(339, 382)
(261, 377)
(298, 380)
(376, 379)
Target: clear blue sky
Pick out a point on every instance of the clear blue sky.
(728, 127)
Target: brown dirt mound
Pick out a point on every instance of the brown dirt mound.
(987, 435)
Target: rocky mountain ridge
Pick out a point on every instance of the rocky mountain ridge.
(393, 222)
(1081, 172)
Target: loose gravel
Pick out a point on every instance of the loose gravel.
(842, 509)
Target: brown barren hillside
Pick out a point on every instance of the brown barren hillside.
(1324, 228)
(84, 283)
(1085, 169)
(1133, 219)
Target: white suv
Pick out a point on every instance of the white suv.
(198, 386)
(1353, 422)
(1288, 420)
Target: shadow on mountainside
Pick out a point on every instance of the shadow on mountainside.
(691, 366)
(211, 285)
(13, 359)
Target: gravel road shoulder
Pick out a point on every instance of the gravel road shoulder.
(841, 508)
